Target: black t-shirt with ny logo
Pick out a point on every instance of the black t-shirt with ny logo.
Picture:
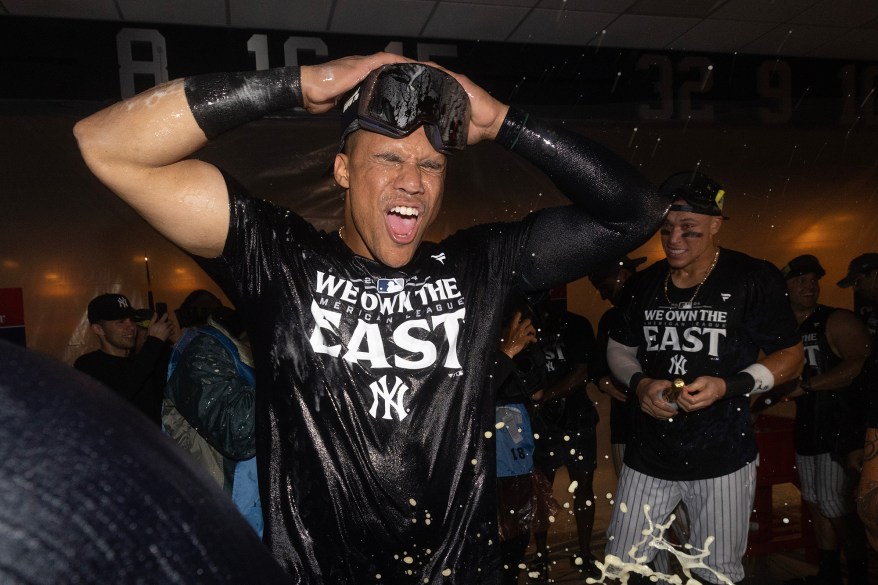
(376, 419)
(740, 309)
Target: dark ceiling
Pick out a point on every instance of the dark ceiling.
(832, 29)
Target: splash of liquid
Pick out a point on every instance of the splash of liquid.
(688, 556)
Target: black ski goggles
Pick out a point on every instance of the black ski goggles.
(396, 99)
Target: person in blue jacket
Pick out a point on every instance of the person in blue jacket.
(210, 407)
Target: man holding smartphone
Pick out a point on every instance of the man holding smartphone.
(139, 376)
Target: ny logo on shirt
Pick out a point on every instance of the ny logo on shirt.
(678, 365)
(393, 397)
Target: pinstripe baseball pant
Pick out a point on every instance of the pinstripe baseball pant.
(823, 483)
(718, 507)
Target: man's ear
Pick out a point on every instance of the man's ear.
(715, 224)
(340, 170)
(98, 329)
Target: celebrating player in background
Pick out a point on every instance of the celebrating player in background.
(862, 279)
(689, 347)
(836, 347)
(369, 344)
(565, 422)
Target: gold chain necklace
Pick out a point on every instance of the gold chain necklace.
(688, 304)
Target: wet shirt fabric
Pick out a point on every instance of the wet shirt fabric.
(375, 421)
(741, 308)
(821, 416)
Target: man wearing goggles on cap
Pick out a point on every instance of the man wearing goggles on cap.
(702, 330)
(375, 434)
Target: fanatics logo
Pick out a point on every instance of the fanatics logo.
(725, 296)
(439, 258)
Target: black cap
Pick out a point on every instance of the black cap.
(109, 307)
(702, 194)
(602, 272)
(801, 265)
(862, 264)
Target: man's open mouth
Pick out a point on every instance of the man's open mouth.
(402, 223)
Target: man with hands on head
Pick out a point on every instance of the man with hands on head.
(370, 344)
(689, 348)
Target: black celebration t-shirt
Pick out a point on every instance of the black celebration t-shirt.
(741, 308)
(567, 340)
(821, 417)
(375, 419)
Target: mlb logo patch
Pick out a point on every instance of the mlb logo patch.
(390, 285)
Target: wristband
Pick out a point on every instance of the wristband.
(635, 380)
(739, 384)
(222, 101)
(763, 379)
(510, 130)
(754, 379)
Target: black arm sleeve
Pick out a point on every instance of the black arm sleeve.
(615, 208)
(222, 101)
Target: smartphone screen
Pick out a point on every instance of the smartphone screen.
(161, 309)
